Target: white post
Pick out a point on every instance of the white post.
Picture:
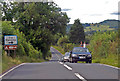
(84, 45)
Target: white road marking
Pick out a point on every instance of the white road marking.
(33, 63)
(11, 70)
(60, 62)
(110, 66)
(69, 68)
(80, 77)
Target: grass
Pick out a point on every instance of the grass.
(8, 62)
(0, 67)
(101, 28)
(60, 49)
(112, 60)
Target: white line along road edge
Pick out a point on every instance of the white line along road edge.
(11, 70)
(80, 77)
(110, 66)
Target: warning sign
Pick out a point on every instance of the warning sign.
(10, 47)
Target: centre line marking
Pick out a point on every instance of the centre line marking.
(80, 77)
(69, 68)
(60, 62)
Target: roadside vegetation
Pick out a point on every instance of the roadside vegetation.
(98, 28)
(24, 48)
(24, 53)
(60, 49)
(104, 47)
(67, 42)
(9, 62)
(37, 25)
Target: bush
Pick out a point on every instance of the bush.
(24, 48)
(68, 47)
(103, 44)
(104, 47)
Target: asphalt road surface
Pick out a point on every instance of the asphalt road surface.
(58, 71)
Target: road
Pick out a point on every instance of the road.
(55, 71)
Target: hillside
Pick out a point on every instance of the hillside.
(110, 23)
(102, 26)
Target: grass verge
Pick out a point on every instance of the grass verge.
(60, 49)
(8, 62)
(112, 60)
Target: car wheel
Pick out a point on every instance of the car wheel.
(67, 60)
(90, 61)
(86, 61)
(75, 61)
(71, 61)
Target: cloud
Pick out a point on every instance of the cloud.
(115, 13)
(95, 14)
(66, 9)
(106, 2)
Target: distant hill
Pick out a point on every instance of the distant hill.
(106, 23)
(110, 23)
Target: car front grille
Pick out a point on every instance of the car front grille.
(82, 55)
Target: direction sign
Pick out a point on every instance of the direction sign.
(10, 47)
(10, 40)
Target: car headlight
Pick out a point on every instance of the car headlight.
(65, 57)
(89, 55)
(74, 55)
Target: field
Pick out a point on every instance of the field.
(98, 28)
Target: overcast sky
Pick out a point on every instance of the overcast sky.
(89, 11)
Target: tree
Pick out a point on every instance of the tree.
(63, 40)
(77, 32)
(39, 21)
(8, 10)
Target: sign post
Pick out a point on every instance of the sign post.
(10, 43)
(84, 45)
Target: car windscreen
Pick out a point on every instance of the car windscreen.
(67, 54)
(80, 50)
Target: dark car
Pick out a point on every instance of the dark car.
(66, 57)
(80, 54)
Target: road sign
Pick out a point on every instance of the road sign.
(10, 47)
(10, 40)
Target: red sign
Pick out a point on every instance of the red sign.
(10, 47)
